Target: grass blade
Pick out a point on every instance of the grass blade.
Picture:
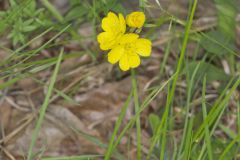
(53, 10)
(189, 96)
(207, 134)
(116, 128)
(83, 157)
(44, 106)
(179, 65)
(136, 104)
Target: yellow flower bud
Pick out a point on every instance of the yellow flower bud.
(135, 19)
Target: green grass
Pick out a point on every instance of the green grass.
(207, 134)
(116, 128)
(53, 10)
(173, 85)
(83, 157)
(188, 119)
(200, 123)
(44, 106)
(138, 122)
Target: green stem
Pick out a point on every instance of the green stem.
(136, 104)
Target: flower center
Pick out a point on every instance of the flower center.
(130, 48)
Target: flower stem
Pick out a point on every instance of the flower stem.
(136, 104)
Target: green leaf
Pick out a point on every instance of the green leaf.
(2, 13)
(212, 72)
(154, 122)
(29, 28)
(13, 3)
(118, 8)
(30, 9)
(215, 42)
(227, 12)
(28, 22)
(76, 12)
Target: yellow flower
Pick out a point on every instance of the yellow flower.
(114, 27)
(125, 48)
(128, 50)
(135, 19)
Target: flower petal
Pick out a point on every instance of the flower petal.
(115, 54)
(143, 47)
(104, 36)
(110, 22)
(106, 40)
(134, 60)
(128, 38)
(122, 23)
(123, 63)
